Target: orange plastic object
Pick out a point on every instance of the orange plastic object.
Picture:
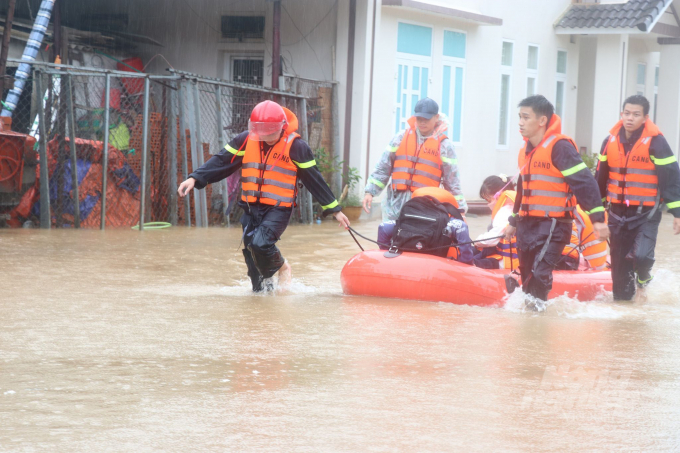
(13, 147)
(431, 278)
(114, 99)
(133, 85)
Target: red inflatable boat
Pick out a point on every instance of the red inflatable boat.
(426, 277)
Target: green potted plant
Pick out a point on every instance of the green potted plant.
(350, 200)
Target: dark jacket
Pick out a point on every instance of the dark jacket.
(667, 173)
(226, 162)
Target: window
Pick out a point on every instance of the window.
(656, 90)
(506, 73)
(452, 81)
(532, 70)
(562, 62)
(242, 27)
(560, 82)
(641, 78)
(412, 80)
(414, 59)
(414, 39)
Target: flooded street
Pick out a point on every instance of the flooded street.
(121, 341)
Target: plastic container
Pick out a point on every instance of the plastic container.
(132, 85)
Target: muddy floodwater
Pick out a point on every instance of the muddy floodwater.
(152, 341)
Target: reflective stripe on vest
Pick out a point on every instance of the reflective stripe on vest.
(632, 176)
(414, 166)
(272, 182)
(545, 192)
(595, 250)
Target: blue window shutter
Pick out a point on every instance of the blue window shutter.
(458, 105)
(414, 101)
(416, 77)
(423, 86)
(414, 39)
(454, 44)
(446, 90)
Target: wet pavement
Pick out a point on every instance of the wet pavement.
(152, 341)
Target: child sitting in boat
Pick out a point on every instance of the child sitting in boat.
(456, 228)
(494, 253)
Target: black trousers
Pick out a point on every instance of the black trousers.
(262, 228)
(632, 252)
(536, 270)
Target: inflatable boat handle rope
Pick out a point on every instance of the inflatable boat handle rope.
(352, 230)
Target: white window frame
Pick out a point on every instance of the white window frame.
(410, 56)
(561, 77)
(454, 63)
(640, 87)
(505, 71)
(533, 73)
(410, 60)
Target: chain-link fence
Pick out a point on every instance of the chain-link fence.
(155, 131)
(321, 119)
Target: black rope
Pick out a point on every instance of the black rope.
(355, 239)
(352, 230)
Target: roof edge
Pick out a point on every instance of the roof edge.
(446, 11)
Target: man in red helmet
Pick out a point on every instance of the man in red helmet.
(272, 157)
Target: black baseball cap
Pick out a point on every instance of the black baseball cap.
(426, 108)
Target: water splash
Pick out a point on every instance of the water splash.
(568, 307)
(664, 290)
(295, 287)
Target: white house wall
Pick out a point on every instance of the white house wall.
(478, 153)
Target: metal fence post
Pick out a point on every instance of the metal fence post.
(105, 148)
(191, 100)
(172, 154)
(145, 146)
(202, 204)
(70, 117)
(308, 216)
(220, 143)
(182, 110)
(45, 216)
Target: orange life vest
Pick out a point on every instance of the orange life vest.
(442, 196)
(593, 250)
(632, 177)
(506, 251)
(271, 179)
(417, 167)
(545, 192)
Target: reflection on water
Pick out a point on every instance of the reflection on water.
(153, 341)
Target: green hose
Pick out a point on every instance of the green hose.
(153, 226)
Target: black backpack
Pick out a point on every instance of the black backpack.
(421, 225)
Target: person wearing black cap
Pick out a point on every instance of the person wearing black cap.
(419, 156)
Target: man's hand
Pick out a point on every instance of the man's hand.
(510, 232)
(676, 225)
(367, 202)
(186, 187)
(601, 230)
(342, 219)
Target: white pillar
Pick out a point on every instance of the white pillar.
(668, 109)
(610, 82)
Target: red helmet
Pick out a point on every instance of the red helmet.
(266, 120)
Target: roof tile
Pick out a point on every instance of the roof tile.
(633, 14)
